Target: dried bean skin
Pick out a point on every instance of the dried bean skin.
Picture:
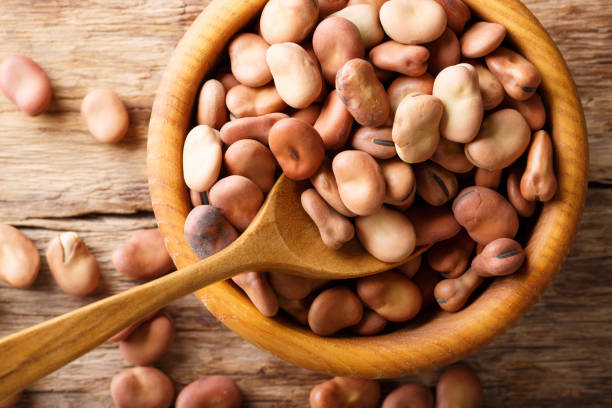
(149, 341)
(490, 88)
(208, 231)
(257, 128)
(405, 85)
(501, 257)
(378, 142)
(371, 323)
(334, 309)
(487, 178)
(409, 396)
(452, 294)
(432, 224)
(518, 76)
(105, 115)
(532, 109)
(253, 160)
(334, 228)
(539, 182)
(361, 183)
(243, 101)
(390, 294)
(143, 256)
(435, 184)
(457, 12)
(408, 60)
(19, 258)
(202, 157)
(211, 104)
(365, 18)
(143, 387)
(451, 257)
(259, 291)
(481, 39)
(293, 287)
(334, 123)
(324, 182)
(523, 207)
(238, 199)
(288, 20)
(459, 387)
(247, 52)
(344, 392)
(451, 156)
(400, 183)
(444, 52)
(413, 21)
(485, 214)
(25, 83)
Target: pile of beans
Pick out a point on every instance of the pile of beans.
(414, 125)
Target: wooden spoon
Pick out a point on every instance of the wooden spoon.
(281, 237)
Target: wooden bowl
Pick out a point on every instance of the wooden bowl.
(439, 338)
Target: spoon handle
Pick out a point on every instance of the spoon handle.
(37, 351)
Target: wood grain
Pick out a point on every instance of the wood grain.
(558, 355)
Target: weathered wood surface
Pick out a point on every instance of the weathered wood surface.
(54, 177)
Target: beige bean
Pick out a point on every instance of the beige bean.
(371, 323)
(296, 76)
(19, 258)
(501, 257)
(457, 14)
(123, 334)
(324, 182)
(485, 214)
(149, 341)
(298, 309)
(73, 267)
(532, 109)
(207, 231)
(259, 291)
(346, 393)
(365, 18)
(247, 52)
(539, 182)
(452, 294)
(411, 267)
(243, 101)
(211, 104)
(400, 183)
(408, 60)
(105, 115)
(444, 52)
(227, 79)
(238, 198)
(390, 294)
(458, 89)
(202, 157)
(293, 287)
(288, 20)
(413, 21)
(387, 235)
(451, 156)
(309, 114)
(334, 228)
(253, 160)
(327, 7)
(216, 391)
(25, 83)
(11, 400)
(451, 257)
(334, 123)
(143, 387)
(334, 309)
(416, 129)
(256, 128)
(487, 178)
(361, 183)
(490, 88)
(459, 387)
(523, 207)
(409, 396)
(481, 39)
(335, 41)
(143, 256)
(362, 93)
(427, 279)
(503, 138)
(435, 184)
(519, 77)
(403, 86)
(432, 224)
(297, 147)
(378, 142)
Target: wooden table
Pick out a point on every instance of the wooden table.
(54, 177)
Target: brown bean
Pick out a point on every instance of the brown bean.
(149, 341)
(409, 396)
(211, 104)
(243, 101)
(365, 18)
(346, 393)
(532, 109)
(451, 156)
(432, 224)
(523, 207)
(73, 267)
(362, 93)
(227, 79)
(334, 228)
(324, 182)
(216, 391)
(411, 267)
(459, 387)
(390, 294)
(452, 294)
(298, 309)
(387, 235)
(457, 12)
(297, 147)
(334, 123)
(259, 291)
(335, 41)
(19, 258)
(247, 52)
(327, 7)
(123, 334)
(253, 160)
(408, 60)
(487, 178)
(25, 84)
(451, 257)
(309, 114)
(105, 115)
(427, 279)
(378, 142)
(256, 128)
(288, 20)
(238, 199)
(207, 231)
(435, 184)
(503, 138)
(11, 400)
(403, 86)
(371, 323)
(539, 182)
(413, 21)
(202, 157)
(143, 387)
(400, 183)
(444, 52)
(361, 183)
(143, 256)
(481, 39)
(333, 310)
(293, 287)
(490, 88)
(485, 214)
(501, 257)
(519, 77)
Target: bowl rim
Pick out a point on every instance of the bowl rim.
(417, 347)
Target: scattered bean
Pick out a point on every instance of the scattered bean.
(346, 393)
(490, 88)
(19, 258)
(452, 294)
(253, 160)
(432, 224)
(532, 109)
(487, 178)
(324, 182)
(459, 387)
(334, 228)
(444, 52)
(481, 39)
(411, 267)
(25, 84)
(105, 115)
(208, 231)
(243, 101)
(334, 309)
(404, 85)
(73, 267)
(365, 18)
(413, 21)
(523, 207)
(143, 387)
(539, 182)
(238, 199)
(211, 104)
(408, 60)
(390, 294)
(435, 184)
(371, 323)
(202, 157)
(451, 257)
(149, 341)
(378, 142)
(361, 183)
(457, 12)
(210, 392)
(309, 114)
(334, 123)
(518, 76)
(288, 20)
(123, 334)
(143, 256)
(256, 128)
(409, 396)
(257, 288)
(294, 287)
(451, 156)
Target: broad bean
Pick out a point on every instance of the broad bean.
(143, 256)
(501, 257)
(365, 18)
(390, 294)
(216, 391)
(481, 39)
(105, 115)
(19, 258)
(259, 291)
(523, 207)
(346, 393)
(371, 323)
(334, 123)
(451, 156)
(211, 104)
(457, 14)
(404, 85)
(432, 224)
(487, 178)
(388, 235)
(459, 387)
(334, 309)
(149, 341)
(243, 101)
(539, 182)
(247, 52)
(253, 160)
(293, 287)
(378, 142)
(25, 83)
(202, 157)
(309, 114)
(532, 109)
(452, 294)
(519, 77)
(238, 199)
(207, 231)
(490, 88)
(413, 21)
(334, 228)
(361, 183)
(257, 128)
(227, 79)
(409, 396)
(435, 184)
(324, 182)
(410, 60)
(444, 52)
(400, 183)
(73, 267)
(288, 20)
(451, 257)
(143, 387)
